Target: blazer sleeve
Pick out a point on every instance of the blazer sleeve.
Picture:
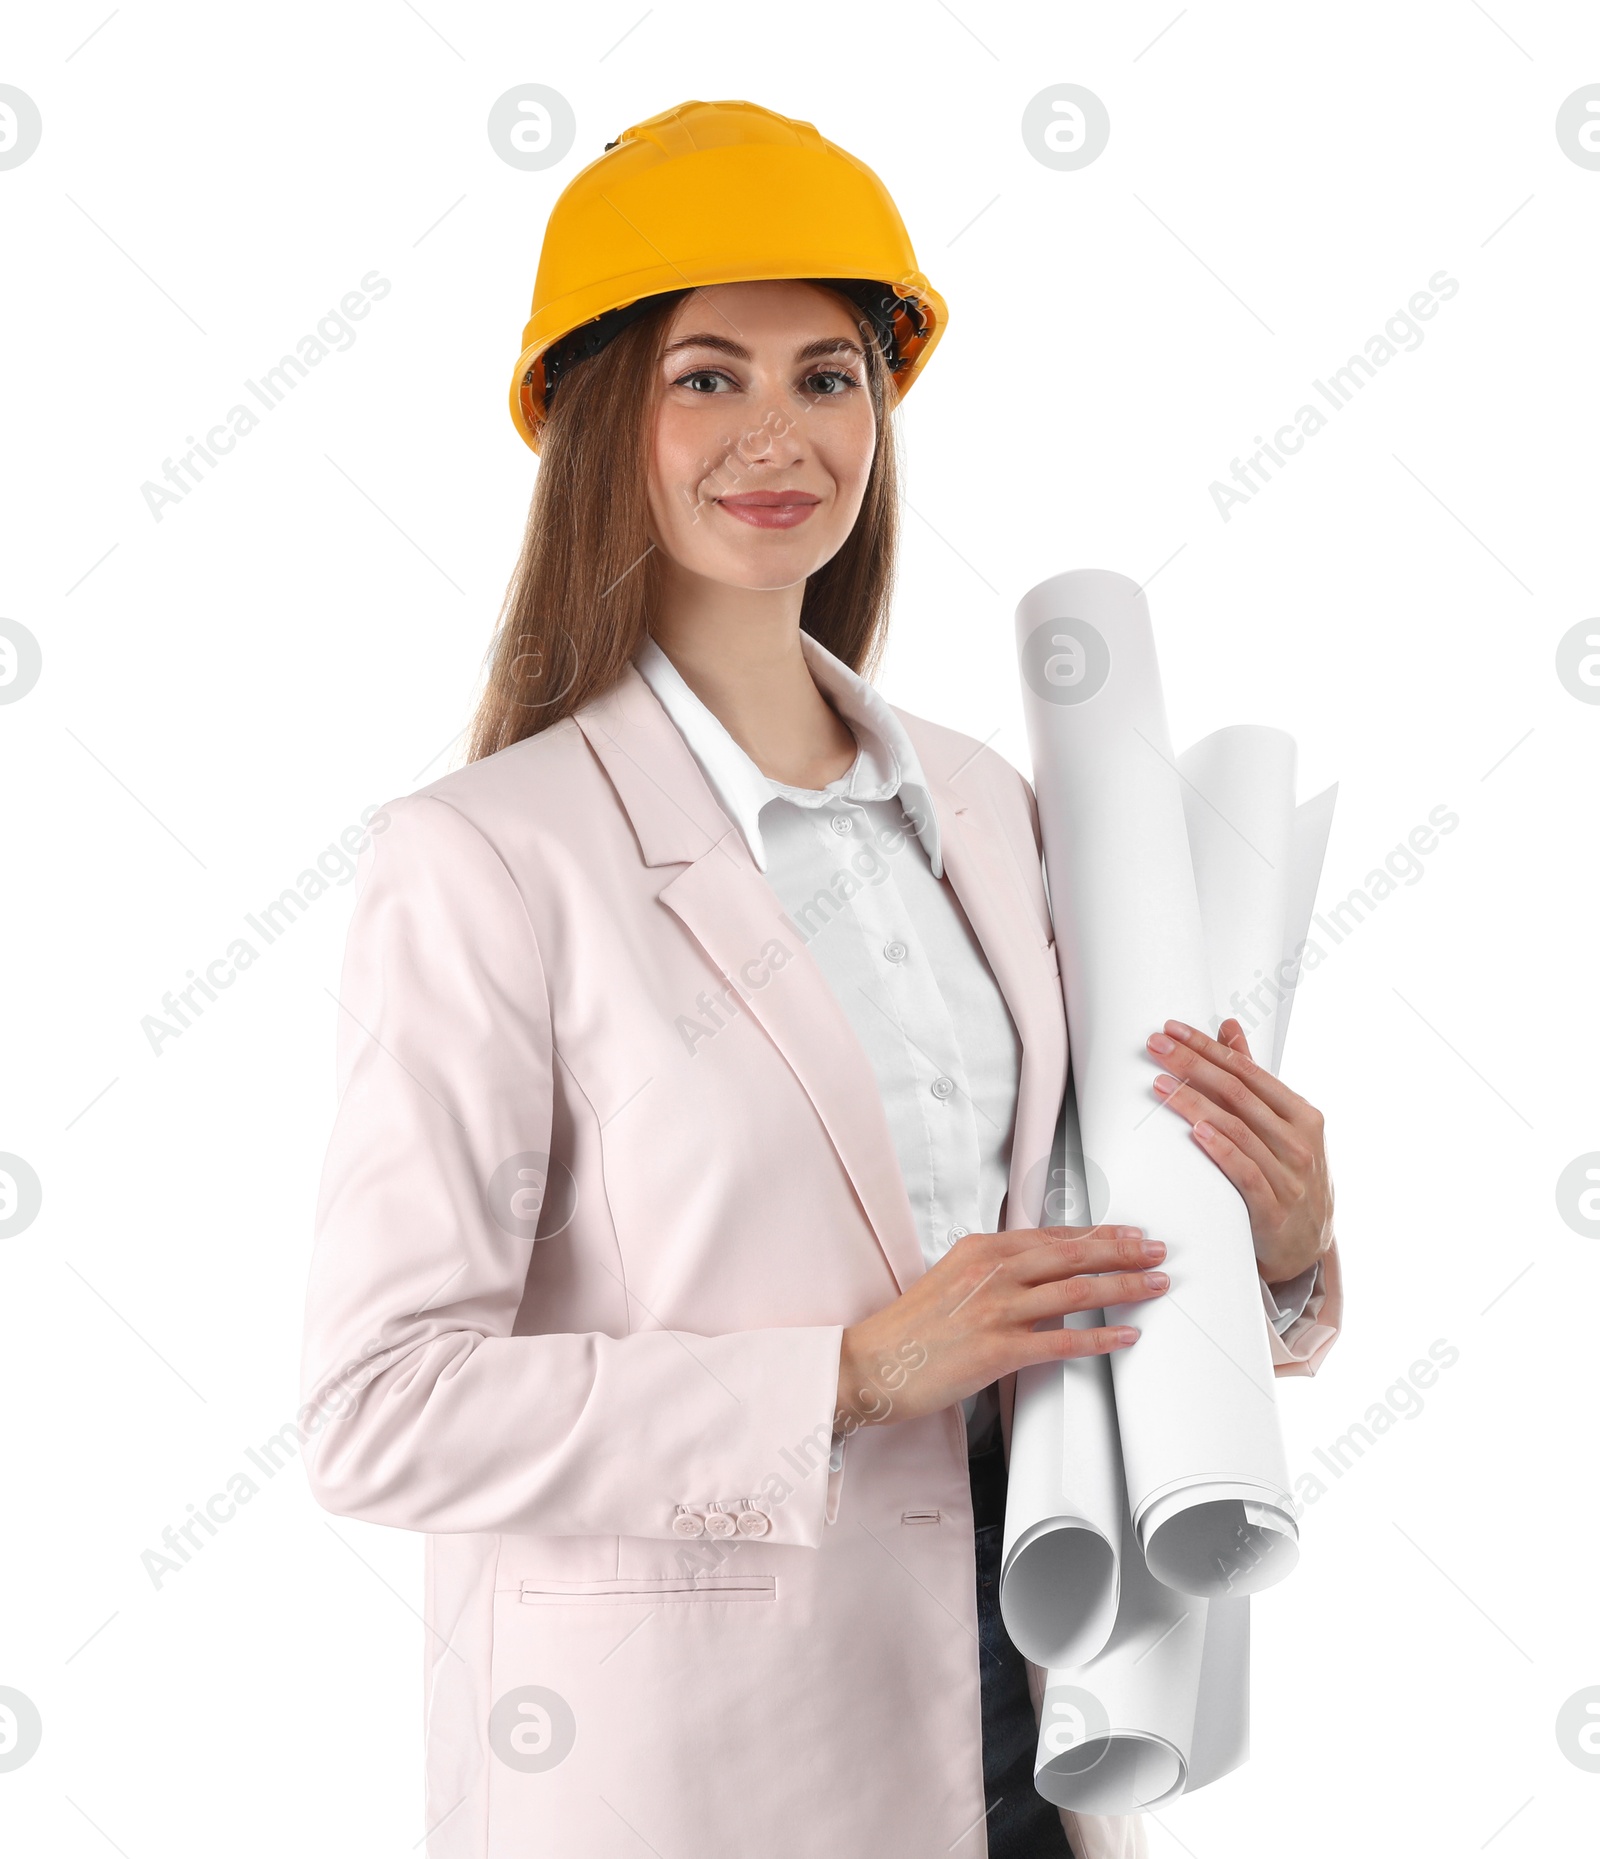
(1300, 1348)
(422, 1409)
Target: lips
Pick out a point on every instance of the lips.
(770, 509)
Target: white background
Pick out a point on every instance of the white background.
(226, 689)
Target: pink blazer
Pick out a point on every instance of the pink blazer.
(528, 934)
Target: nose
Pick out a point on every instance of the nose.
(773, 442)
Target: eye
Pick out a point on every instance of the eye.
(834, 383)
(712, 375)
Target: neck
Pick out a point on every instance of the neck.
(738, 649)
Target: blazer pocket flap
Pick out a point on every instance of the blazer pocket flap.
(636, 1588)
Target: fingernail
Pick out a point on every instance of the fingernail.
(1165, 1085)
(1157, 1281)
(1204, 1131)
(1127, 1336)
(1152, 1249)
(1130, 1232)
(1182, 1031)
(1159, 1042)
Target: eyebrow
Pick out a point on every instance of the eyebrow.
(826, 345)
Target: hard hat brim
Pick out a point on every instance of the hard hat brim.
(561, 320)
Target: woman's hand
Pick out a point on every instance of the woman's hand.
(969, 1319)
(1264, 1137)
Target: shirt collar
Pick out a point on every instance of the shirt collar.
(886, 764)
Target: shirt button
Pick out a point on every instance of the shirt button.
(754, 1523)
(894, 951)
(942, 1087)
(719, 1523)
(688, 1523)
(842, 823)
(958, 1232)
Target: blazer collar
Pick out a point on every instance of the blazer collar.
(674, 814)
(885, 766)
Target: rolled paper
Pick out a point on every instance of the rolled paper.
(1237, 787)
(1221, 1737)
(1206, 1474)
(1064, 1495)
(1162, 1707)
(1313, 819)
(1257, 858)
(1248, 777)
(1059, 1587)
(1161, 1711)
(1115, 1733)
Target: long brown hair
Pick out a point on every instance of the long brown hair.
(578, 604)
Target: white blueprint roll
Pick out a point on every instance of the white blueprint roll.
(1162, 1711)
(1257, 859)
(1059, 1574)
(1060, 1569)
(1164, 1706)
(1161, 1706)
(1206, 1473)
(1313, 819)
(1237, 787)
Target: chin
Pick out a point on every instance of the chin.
(761, 583)
(763, 572)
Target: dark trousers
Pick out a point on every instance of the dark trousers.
(1021, 1823)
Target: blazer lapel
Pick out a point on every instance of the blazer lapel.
(733, 913)
(735, 916)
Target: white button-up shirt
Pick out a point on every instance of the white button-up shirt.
(857, 868)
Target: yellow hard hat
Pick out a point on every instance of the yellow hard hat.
(720, 193)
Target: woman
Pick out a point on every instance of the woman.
(701, 1057)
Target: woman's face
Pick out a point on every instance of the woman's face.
(764, 433)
